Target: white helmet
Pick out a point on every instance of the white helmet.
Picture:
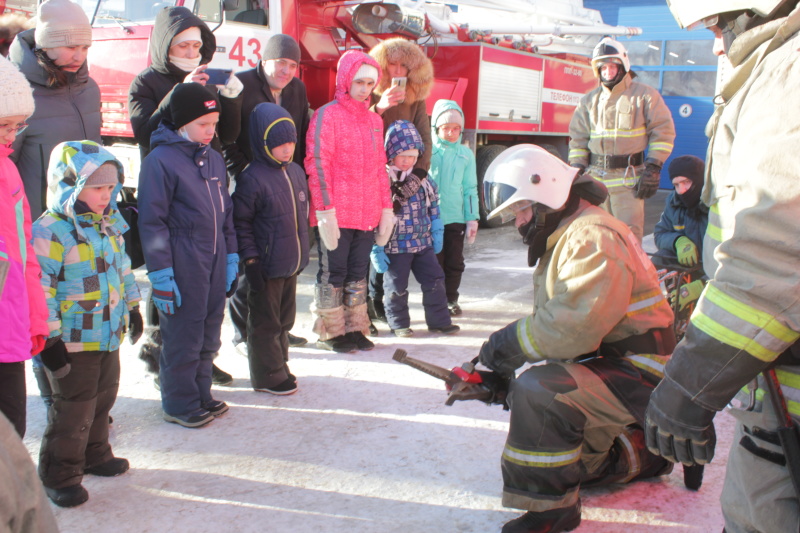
(609, 50)
(525, 174)
(689, 13)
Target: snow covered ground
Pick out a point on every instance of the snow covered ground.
(366, 445)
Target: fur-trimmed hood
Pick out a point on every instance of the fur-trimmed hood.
(410, 55)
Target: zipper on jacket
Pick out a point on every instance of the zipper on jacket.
(214, 209)
(296, 225)
(221, 201)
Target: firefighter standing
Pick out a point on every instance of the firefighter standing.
(577, 420)
(612, 128)
(748, 316)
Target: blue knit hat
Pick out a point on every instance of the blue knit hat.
(402, 136)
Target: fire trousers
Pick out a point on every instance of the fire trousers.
(621, 201)
(577, 423)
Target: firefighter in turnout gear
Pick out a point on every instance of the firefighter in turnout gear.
(601, 321)
(621, 133)
(747, 319)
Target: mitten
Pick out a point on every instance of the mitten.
(328, 228)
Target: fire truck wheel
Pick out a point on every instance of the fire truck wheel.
(483, 158)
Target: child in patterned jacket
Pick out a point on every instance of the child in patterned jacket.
(92, 300)
(418, 236)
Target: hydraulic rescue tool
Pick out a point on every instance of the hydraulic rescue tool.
(464, 382)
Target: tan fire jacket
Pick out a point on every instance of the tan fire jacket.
(630, 118)
(594, 284)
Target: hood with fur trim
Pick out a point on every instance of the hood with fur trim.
(410, 55)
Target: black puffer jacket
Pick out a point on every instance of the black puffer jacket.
(270, 205)
(149, 92)
(256, 91)
(67, 113)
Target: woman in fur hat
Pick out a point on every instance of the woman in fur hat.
(404, 59)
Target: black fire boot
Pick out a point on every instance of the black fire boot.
(552, 521)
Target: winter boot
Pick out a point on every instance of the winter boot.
(111, 468)
(454, 308)
(330, 325)
(296, 342)
(220, 377)
(71, 496)
(356, 318)
(552, 521)
(375, 309)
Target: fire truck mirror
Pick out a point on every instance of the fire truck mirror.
(376, 18)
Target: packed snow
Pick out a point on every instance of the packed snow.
(365, 445)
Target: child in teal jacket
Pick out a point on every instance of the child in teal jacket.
(453, 171)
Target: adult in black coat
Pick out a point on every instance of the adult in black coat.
(149, 92)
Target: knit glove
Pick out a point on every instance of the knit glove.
(647, 185)
(403, 190)
(379, 259)
(233, 88)
(56, 359)
(136, 325)
(166, 296)
(385, 227)
(328, 228)
(437, 231)
(472, 231)
(252, 271)
(688, 293)
(231, 274)
(686, 250)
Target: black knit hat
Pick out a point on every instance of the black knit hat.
(190, 101)
(693, 168)
(281, 46)
(688, 166)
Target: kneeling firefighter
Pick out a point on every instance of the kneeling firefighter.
(602, 324)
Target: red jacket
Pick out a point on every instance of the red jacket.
(23, 311)
(345, 158)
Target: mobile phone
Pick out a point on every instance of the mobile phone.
(399, 81)
(217, 76)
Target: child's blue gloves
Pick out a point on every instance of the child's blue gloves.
(437, 230)
(231, 274)
(166, 296)
(379, 259)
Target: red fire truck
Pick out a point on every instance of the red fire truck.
(518, 73)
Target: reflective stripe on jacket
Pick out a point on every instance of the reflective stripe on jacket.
(630, 118)
(594, 284)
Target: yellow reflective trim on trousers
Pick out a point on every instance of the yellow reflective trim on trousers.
(616, 182)
(650, 363)
(744, 327)
(645, 301)
(525, 338)
(541, 459)
(606, 134)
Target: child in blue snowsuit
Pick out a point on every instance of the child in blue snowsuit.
(416, 239)
(189, 244)
(270, 212)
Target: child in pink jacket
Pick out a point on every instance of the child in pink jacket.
(23, 312)
(350, 199)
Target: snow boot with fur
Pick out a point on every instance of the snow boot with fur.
(330, 324)
(356, 317)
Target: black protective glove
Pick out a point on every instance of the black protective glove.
(502, 352)
(233, 288)
(56, 359)
(648, 182)
(581, 169)
(136, 326)
(252, 271)
(678, 429)
(497, 385)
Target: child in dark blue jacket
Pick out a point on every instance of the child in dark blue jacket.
(417, 237)
(270, 211)
(189, 244)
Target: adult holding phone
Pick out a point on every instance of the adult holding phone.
(180, 49)
(406, 81)
(273, 81)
